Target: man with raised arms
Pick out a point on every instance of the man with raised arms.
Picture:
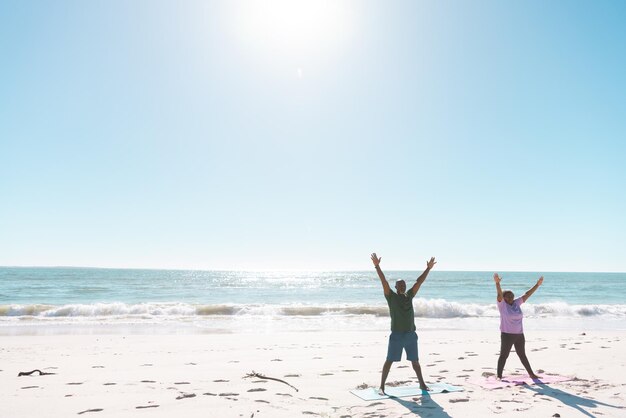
(403, 335)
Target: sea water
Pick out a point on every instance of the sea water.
(267, 301)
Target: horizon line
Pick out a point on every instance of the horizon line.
(295, 270)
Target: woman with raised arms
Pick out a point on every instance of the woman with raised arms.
(511, 327)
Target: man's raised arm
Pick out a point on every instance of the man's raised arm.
(381, 276)
(422, 277)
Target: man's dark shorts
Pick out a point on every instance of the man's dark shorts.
(399, 341)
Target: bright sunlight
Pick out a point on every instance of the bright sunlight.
(293, 28)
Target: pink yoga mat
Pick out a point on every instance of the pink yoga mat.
(521, 379)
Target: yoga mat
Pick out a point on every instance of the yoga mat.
(492, 383)
(371, 394)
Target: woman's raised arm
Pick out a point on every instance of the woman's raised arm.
(497, 279)
(530, 291)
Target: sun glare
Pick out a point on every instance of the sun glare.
(293, 27)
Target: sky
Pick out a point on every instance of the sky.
(305, 135)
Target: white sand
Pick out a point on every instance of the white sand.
(118, 373)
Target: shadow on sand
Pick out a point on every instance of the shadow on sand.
(423, 405)
(573, 401)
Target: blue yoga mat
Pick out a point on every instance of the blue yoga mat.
(371, 394)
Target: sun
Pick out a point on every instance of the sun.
(292, 27)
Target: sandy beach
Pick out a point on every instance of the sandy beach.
(220, 209)
(199, 375)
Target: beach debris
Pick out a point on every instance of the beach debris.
(185, 396)
(91, 410)
(33, 371)
(260, 376)
(556, 416)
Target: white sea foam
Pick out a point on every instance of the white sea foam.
(424, 308)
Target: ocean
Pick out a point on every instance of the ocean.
(248, 301)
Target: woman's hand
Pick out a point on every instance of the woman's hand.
(530, 291)
(375, 260)
(497, 279)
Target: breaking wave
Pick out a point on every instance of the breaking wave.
(424, 308)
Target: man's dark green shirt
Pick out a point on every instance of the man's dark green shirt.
(401, 311)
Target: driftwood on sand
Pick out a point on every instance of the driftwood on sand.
(33, 371)
(260, 376)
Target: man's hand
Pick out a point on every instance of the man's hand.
(540, 281)
(381, 276)
(430, 264)
(496, 278)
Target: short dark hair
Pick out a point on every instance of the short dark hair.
(506, 292)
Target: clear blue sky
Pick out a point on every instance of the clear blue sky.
(305, 135)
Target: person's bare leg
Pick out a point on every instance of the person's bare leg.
(418, 372)
(383, 378)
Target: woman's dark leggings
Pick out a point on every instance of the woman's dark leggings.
(506, 342)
